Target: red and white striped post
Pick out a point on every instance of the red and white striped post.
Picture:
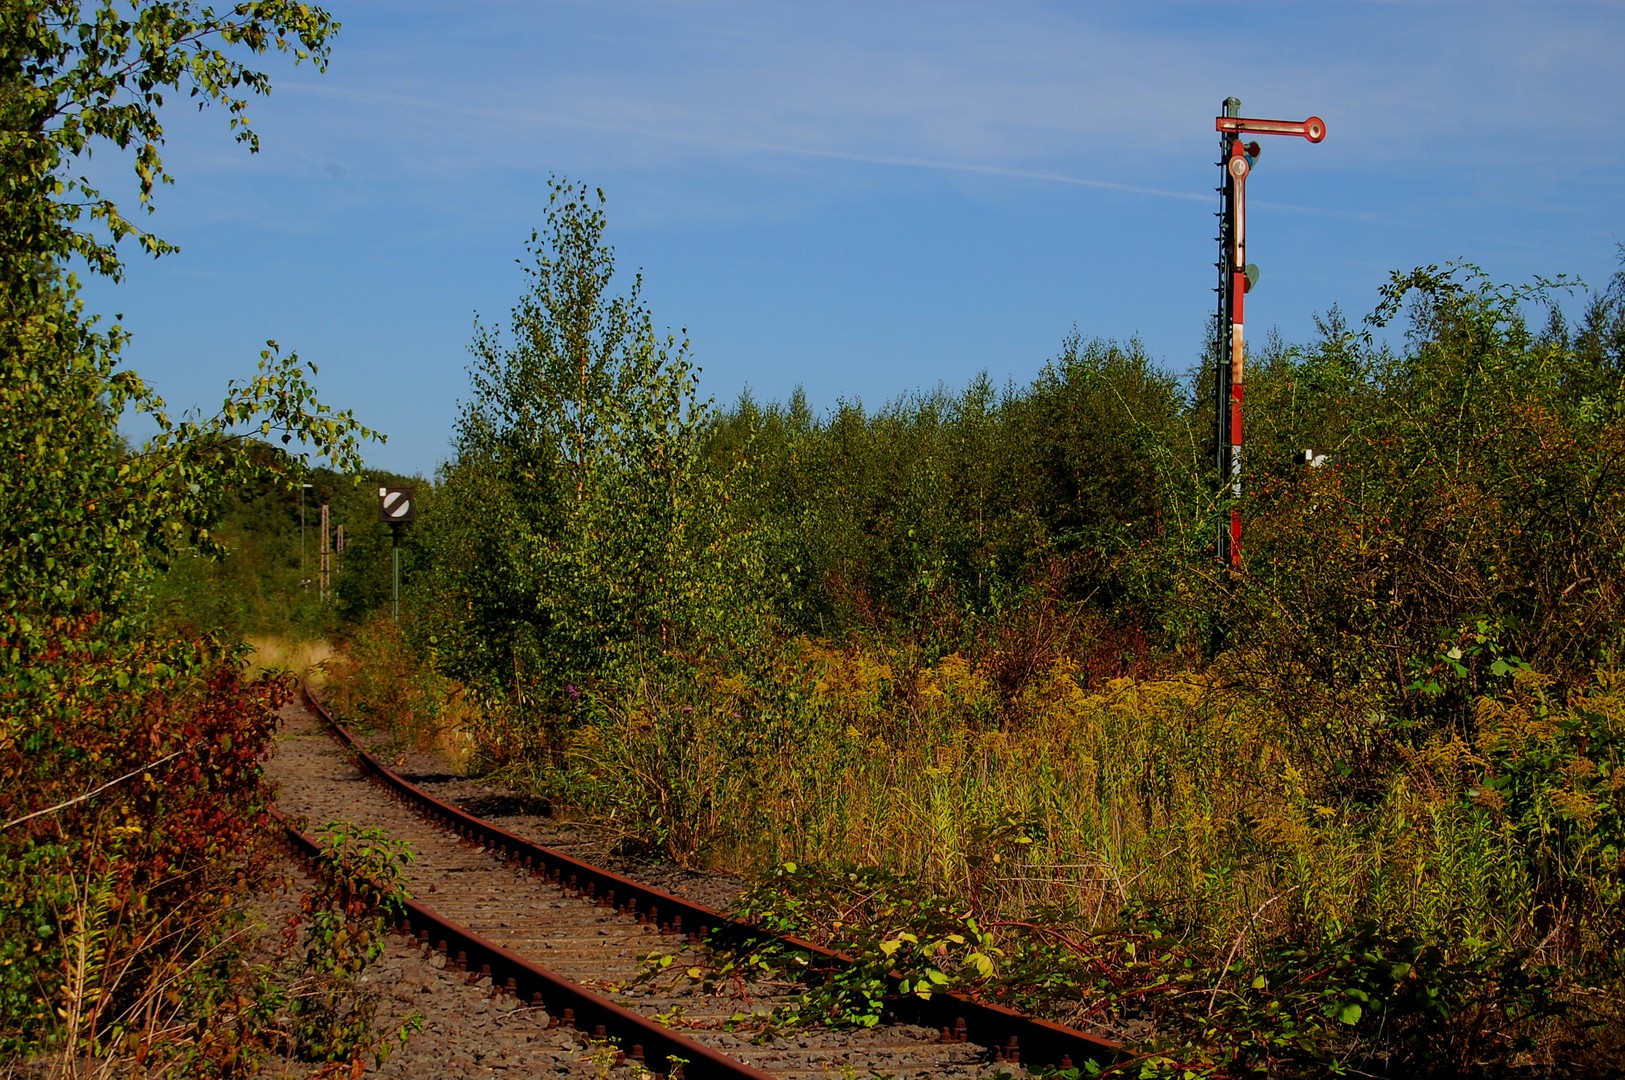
(1236, 276)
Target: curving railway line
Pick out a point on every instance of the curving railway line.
(570, 941)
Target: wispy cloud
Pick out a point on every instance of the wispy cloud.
(799, 173)
(714, 98)
(710, 139)
(1026, 90)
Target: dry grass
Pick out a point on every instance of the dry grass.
(1186, 791)
(375, 681)
(1190, 791)
(274, 653)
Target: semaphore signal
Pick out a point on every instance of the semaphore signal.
(1236, 278)
(1313, 129)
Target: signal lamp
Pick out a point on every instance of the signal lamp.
(1250, 275)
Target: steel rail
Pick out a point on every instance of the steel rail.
(1011, 1035)
(568, 1003)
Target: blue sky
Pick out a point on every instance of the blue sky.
(864, 199)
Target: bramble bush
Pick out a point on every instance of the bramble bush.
(135, 827)
(343, 921)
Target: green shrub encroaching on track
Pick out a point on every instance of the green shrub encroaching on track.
(131, 799)
(579, 535)
(958, 675)
(359, 897)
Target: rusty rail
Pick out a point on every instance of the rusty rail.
(657, 1048)
(1011, 1035)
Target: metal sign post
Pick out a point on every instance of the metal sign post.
(395, 507)
(395, 571)
(1236, 277)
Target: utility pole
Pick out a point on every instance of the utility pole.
(303, 580)
(1236, 277)
(322, 550)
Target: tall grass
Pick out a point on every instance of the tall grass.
(1078, 802)
(1188, 791)
(1192, 791)
(375, 680)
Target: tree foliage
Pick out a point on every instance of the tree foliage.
(1474, 510)
(80, 75)
(88, 519)
(946, 505)
(1376, 818)
(130, 757)
(577, 526)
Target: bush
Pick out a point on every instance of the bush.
(135, 826)
(1473, 513)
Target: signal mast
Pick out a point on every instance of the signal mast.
(1236, 277)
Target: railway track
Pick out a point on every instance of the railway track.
(571, 939)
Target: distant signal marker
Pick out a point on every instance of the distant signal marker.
(394, 504)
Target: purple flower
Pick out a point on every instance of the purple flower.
(570, 689)
(688, 708)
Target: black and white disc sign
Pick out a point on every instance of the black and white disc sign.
(394, 504)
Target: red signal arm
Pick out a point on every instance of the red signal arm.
(1313, 129)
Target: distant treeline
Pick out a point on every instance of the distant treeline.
(596, 512)
(1469, 493)
(270, 581)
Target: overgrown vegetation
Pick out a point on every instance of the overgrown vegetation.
(272, 586)
(132, 808)
(959, 681)
(122, 911)
(580, 537)
(359, 896)
(956, 679)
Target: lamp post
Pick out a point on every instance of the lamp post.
(302, 489)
